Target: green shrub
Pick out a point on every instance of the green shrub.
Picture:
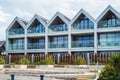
(12, 63)
(108, 73)
(24, 61)
(2, 61)
(112, 70)
(80, 61)
(48, 61)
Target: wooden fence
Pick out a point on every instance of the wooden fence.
(66, 58)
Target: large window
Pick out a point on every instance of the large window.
(58, 42)
(36, 43)
(16, 44)
(83, 23)
(109, 21)
(83, 41)
(109, 39)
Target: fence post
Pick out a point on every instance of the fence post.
(41, 77)
(88, 59)
(58, 58)
(9, 58)
(32, 58)
(12, 77)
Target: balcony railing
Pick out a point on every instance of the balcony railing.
(115, 43)
(104, 24)
(16, 47)
(58, 28)
(77, 26)
(61, 45)
(16, 31)
(35, 46)
(36, 29)
(84, 44)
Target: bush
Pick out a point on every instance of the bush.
(2, 61)
(80, 61)
(112, 70)
(108, 73)
(49, 60)
(24, 61)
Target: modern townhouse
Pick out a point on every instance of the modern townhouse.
(82, 34)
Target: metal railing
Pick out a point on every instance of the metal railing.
(115, 43)
(35, 46)
(58, 28)
(104, 24)
(60, 45)
(84, 44)
(16, 31)
(36, 29)
(77, 26)
(15, 47)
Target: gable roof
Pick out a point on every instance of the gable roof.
(2, 43)
(106, 10)
(19, 20)
(61, 16)
(42, 20)
(82, 11)
(23, 20)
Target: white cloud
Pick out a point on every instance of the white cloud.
(47, 8)
(3, 16)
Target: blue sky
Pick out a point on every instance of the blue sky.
(26, 9)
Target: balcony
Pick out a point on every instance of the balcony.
(57, 28)
(62, 45)
(16, 47)
(16, 31)
(35, 46)
(105, 24)
(36, 29)
(77, 26)
(76, 44)
(115, 43)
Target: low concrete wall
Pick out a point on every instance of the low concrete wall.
(51, 66)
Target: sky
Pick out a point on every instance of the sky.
(26, 9)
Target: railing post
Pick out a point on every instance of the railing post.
(41, 77)
(12, 77)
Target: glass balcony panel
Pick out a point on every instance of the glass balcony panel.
(108, 24)
(36, 29)
(35, 46)
(83, 44)
(16, 31)
(15, 47)
(54, 45)
(58, 28)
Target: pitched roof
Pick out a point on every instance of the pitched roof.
(2, 43)
(23, 20)
(61, 16)
(42, 20)
(82, 11)
(106, 10)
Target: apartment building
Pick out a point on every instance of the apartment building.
(82, 34)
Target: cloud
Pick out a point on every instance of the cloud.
(47, 8)
(3, 16)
